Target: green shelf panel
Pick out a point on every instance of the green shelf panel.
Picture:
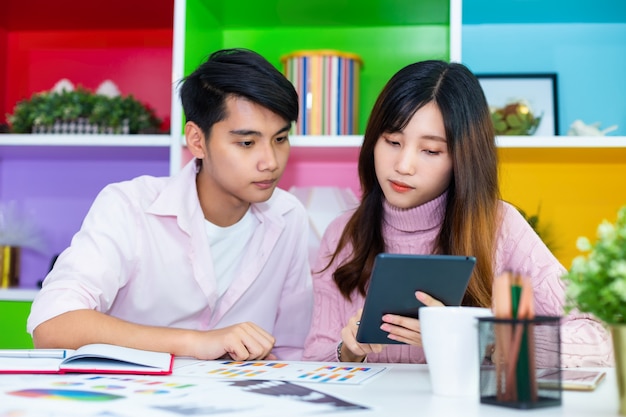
(385, 42)
(254, 13)
(13, 333)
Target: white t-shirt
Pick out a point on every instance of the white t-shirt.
(227, 248)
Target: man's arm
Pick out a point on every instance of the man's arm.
(243, 341)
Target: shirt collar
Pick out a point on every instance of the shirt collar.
(179, 198)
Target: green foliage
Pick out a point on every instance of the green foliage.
(515, 119)
(597, 281)
(48, 107)
(542, 230)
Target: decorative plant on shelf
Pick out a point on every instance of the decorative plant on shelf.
(543, 230)
(515, 118)
(597, 285)
(108, 114)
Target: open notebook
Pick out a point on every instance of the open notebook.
(94, 358)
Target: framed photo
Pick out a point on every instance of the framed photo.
(539, 91)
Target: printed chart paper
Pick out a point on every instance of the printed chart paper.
(282, 371)
(73, 395)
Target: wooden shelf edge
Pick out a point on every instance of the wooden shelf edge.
(299, 141)
(561, 141)
(85, 140)
(18, 294)
(501, 141)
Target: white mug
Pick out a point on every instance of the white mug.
(450, 341)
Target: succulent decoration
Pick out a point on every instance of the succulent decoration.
(108, 113)
(515, 118)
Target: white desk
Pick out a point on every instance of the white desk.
(404, 390)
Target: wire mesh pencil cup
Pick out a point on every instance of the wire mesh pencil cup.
(520, 362)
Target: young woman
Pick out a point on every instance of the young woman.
(428, 173)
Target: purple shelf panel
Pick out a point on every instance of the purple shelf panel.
(55, 187)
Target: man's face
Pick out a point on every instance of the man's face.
(244, 158)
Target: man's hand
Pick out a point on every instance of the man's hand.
(243, 341)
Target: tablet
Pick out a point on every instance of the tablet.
(393, 283)
(571, 379)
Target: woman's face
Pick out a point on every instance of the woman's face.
(413, 166)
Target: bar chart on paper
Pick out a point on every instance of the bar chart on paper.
(283, 371)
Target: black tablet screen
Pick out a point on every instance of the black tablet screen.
(396, 277)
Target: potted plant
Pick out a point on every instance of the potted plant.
(544, 231)
(515, 118)
(597, 285)
(81, 111)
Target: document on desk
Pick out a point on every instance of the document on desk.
(84, 395)
(324, 373)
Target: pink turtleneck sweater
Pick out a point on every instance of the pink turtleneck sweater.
(584, 341)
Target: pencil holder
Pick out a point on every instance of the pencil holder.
(327, 83)
(520, 362)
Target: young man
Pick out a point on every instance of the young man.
(209, 263)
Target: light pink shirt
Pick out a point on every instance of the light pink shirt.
(584, 341)
(142, 255)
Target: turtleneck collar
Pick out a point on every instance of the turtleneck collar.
(421, 218)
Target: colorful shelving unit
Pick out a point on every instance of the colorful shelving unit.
(150, 44)
(56, 177)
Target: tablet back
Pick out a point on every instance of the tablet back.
(396, 277)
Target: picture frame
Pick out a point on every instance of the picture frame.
(539, 90)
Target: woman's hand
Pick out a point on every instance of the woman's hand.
(407, 329)
(351, 350)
